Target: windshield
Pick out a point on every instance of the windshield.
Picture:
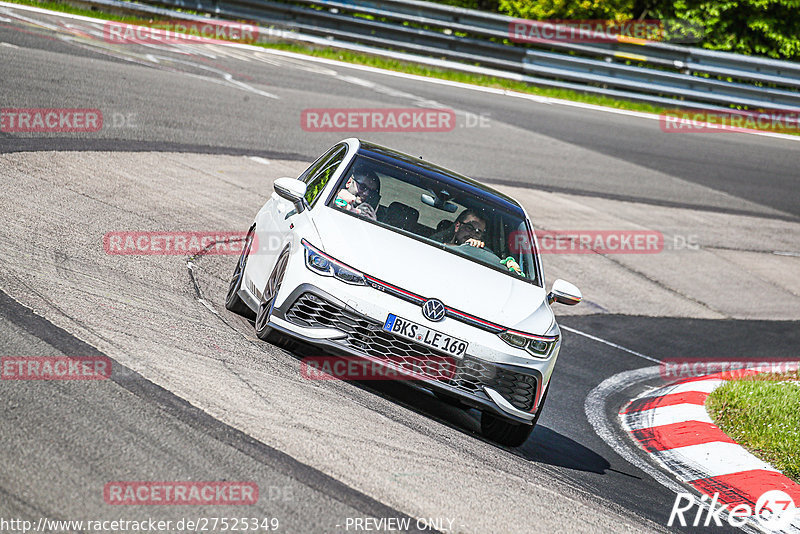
(442, 214)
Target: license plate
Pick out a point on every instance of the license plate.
(425, 336)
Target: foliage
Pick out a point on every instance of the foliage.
(760, 27)
(754, 27)
(568, 9)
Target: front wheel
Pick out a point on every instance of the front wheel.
(265, 332)
(233, 301)
(506, 432)
(503, 431)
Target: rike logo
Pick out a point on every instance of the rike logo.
(774, 510)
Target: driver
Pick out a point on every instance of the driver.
(360, 193)
(470, 229)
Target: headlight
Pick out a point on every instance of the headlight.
(325, 265)
(538, 346)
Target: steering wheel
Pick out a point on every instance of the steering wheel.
(483, 254)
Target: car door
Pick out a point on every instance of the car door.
(278, 220)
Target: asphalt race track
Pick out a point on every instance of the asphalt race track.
(193, 137)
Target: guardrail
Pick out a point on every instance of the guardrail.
(474, 41)
(686, 59)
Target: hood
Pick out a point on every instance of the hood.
(433, 273)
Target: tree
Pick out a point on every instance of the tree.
(754, 27)
(568, 9)
(762, 27)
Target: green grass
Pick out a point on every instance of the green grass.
(67, 8)
(762, 413)
(394, 65)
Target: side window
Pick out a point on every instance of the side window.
(314, 166)
(317, 176)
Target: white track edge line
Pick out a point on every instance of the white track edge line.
(610, 344)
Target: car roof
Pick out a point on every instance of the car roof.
(435, 172)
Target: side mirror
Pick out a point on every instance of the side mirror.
(565, 293)
(292, 190)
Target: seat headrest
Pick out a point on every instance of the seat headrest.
(401, 216)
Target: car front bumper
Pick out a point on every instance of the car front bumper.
(320, 319)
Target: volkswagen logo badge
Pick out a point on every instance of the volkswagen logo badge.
(433, 310)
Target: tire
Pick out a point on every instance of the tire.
(503, 431)
(265, 332)
(506, 432)
(232, 301)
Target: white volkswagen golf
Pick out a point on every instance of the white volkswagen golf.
(375, 254)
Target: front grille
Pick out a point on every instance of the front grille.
(369, 337)
(516, 388)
